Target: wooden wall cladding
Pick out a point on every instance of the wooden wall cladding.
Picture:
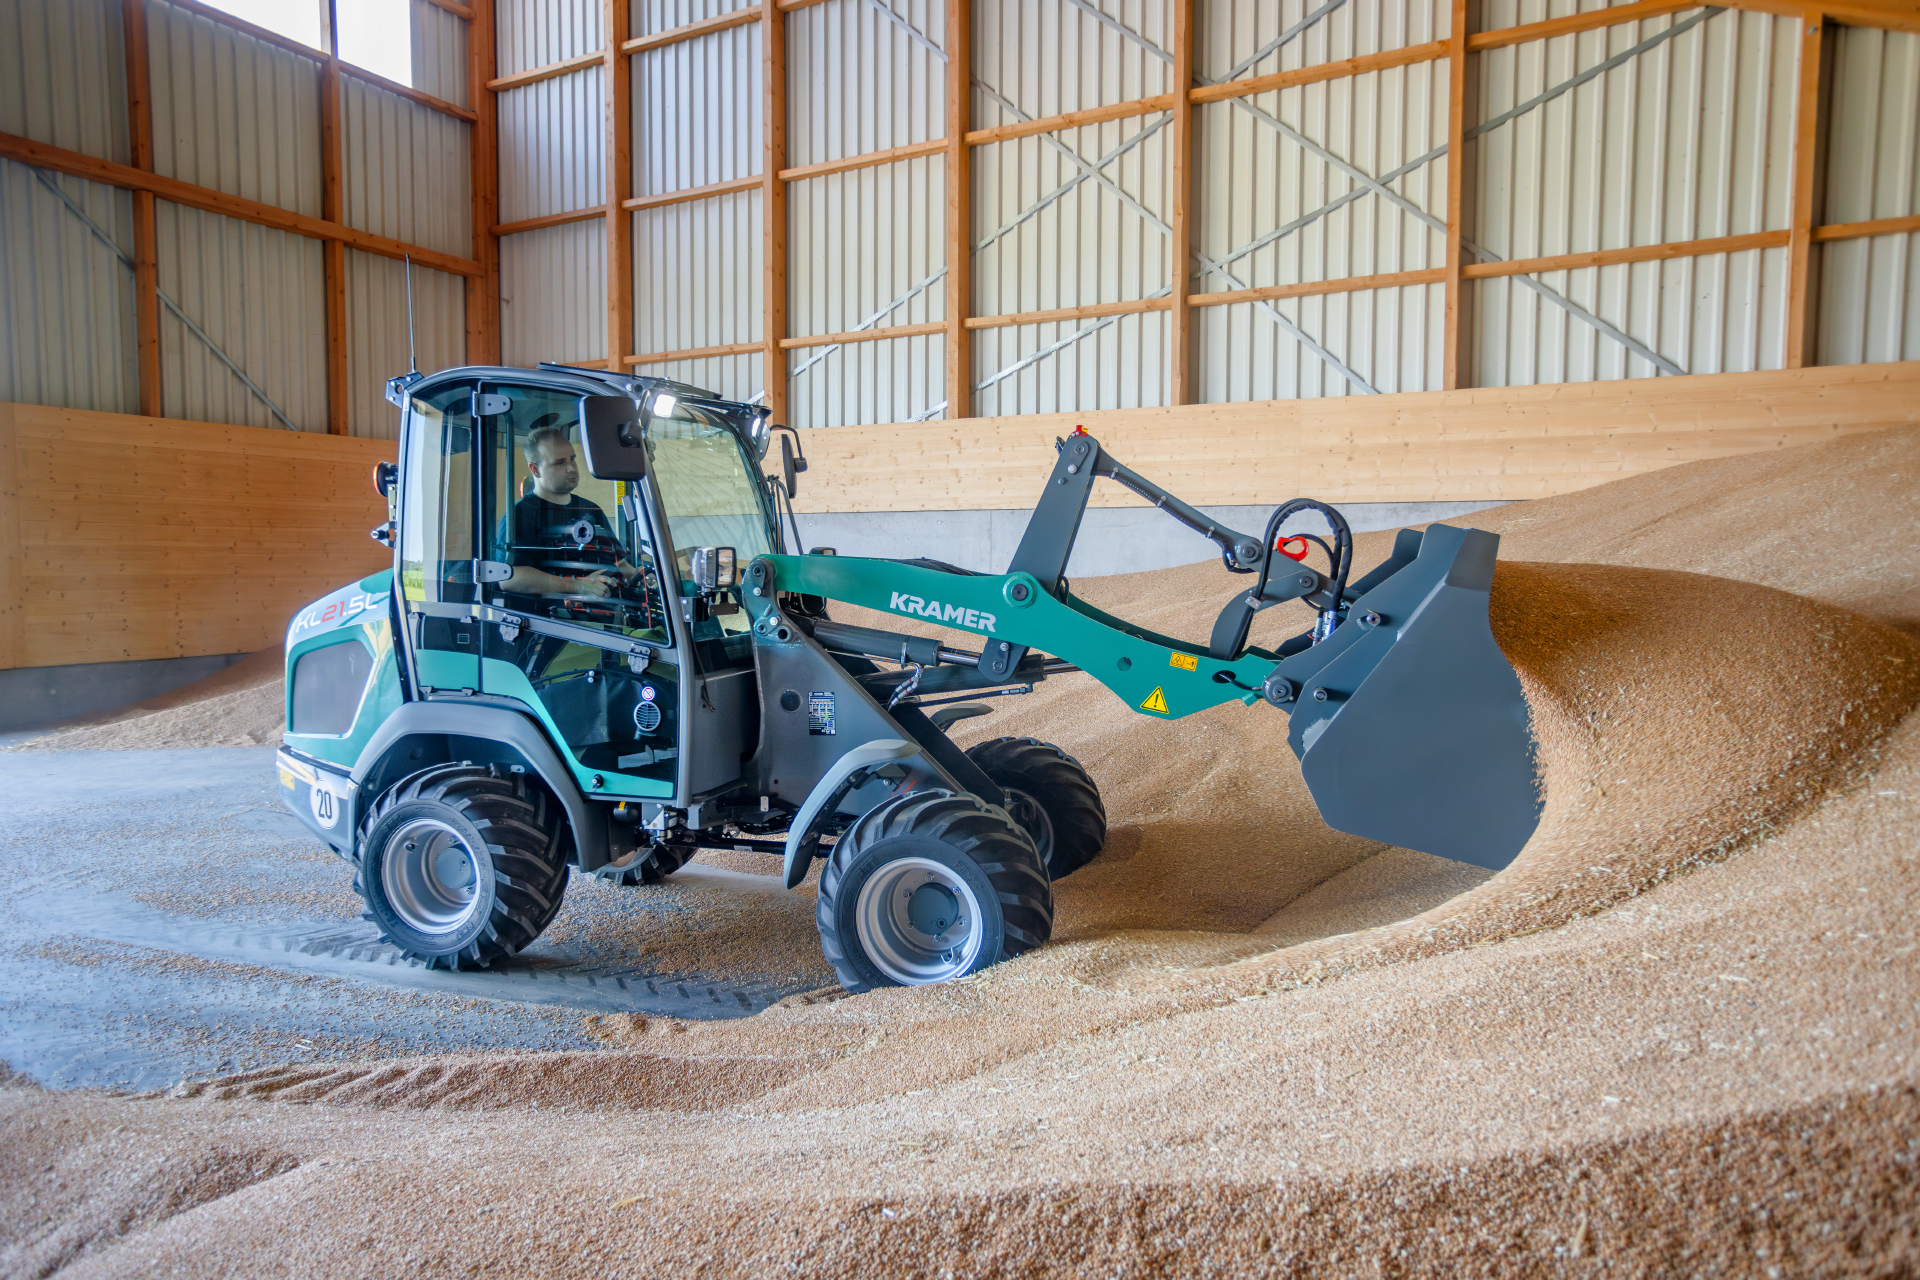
(1492, 444)
(126, 537)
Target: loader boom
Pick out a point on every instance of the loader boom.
(1408, 721)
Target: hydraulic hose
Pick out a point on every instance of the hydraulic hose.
(1342, 556)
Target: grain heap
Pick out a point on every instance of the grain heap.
(1678, 1035)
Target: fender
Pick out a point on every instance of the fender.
(511, 729)
(844, 776)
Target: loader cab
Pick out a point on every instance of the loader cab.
(587, 602)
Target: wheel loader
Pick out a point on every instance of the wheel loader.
(601, 648)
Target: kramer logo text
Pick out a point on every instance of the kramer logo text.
(934, 611)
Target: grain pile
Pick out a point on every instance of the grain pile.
(1677, 1036)
(243, 705)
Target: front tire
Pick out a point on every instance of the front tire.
(930, 887)
(1050, 794)
(462, 864)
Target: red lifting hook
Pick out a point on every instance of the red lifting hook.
(1283, 547)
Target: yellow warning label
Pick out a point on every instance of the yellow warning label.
(1184, 661)
(1156, 701)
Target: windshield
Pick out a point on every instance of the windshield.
(709, 488)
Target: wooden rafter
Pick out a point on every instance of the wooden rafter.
(865, 335)
(1809, 177)
(1454, 357)
(617, 87)
(1182, 347)
(146, 269)
(483, 288)
(959, 220)
(332, 206)
(773, 207)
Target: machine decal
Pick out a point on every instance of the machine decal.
(336, 608)
(934, 611)
(1156, 701)
(820, 715)
(1184, 661)
(328, 800)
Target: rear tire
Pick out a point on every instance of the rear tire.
(1050, 794)
(462, 864)
(647, 864)
(930, 887)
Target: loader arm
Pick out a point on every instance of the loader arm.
(1408, 721)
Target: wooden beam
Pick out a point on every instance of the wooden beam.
(550, 220)
(1071, 120)
(13, 604)
(453, 7)
(773, 207)
(959, 282)
(1592, 20)
(128, 178)
(1182, 339)
(332, 206)
(1860, 230)
(867, 335)
(483, 288)
(686, 194)
(552, 71)
(1454, 359)
(146, 270)
(1315, 288)
(1432, 52)
(617, 98)
(1614, 257)
(1809, 177)
(866, 160)
(691, 31)
(1091, 312)
(697, 353)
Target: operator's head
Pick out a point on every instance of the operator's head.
(551, 460)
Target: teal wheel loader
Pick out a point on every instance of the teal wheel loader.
(602, 649)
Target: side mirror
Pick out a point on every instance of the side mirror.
(385, 476)
(787, 469)
(610, 435)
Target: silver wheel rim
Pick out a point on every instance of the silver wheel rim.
(1033, 819)
(430, 876)
(918, 922)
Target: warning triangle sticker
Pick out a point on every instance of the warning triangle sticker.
(1156, 701)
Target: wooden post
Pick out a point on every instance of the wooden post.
(1809, 188)
(618, 97)
(146, 270)
(1453, 373)
(483, 290)
(959, 209)
(773, 205)
(1180, 329)
(332, 208)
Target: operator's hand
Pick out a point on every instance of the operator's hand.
(594, 584)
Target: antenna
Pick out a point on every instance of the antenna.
(413, 365)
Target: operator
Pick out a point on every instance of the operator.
(553, 504)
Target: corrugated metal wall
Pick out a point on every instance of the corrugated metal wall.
(233, 113)
(66, 297)
(866, 248)
(1870, 288)
(697, 274)
(259, 296)
(377, 333)
(405, 169)
(1690, 138)
(63, 75)
(439, 52)
(553, 290)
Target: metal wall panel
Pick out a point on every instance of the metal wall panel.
(405, 169)
(66, 299)
(258, 295)
(439, 52)
(1496, 15)
(649, 16)
(1689, 139)
(63, 75)
(697, 114)
(1230, 33)
(553, 289)
(1870, 288)
(552, 142)
(867, 248)
(232, 113)
(697, 282)
(377, 334)
(538, 33)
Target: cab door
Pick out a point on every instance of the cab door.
(437, 540)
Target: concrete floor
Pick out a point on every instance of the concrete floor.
(164, 918)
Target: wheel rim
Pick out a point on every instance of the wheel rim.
(1033, 819)
(430, 876)
(918, 921)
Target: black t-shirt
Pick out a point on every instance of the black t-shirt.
(544, 532)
